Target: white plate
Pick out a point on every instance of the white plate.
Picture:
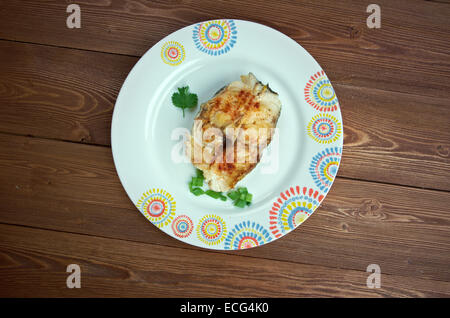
(207, 56)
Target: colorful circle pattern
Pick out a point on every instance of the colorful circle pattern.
(292, 208)
(247, 235)
(215, 37)
(211, 230)
(324, 128)
(158, 206)
(324, 167)
(182, 226)
(320, 94)
(172, 53)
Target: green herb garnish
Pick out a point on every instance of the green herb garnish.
(197, 191)
(197, 182)
(213, 194)
(199, 173)
(243, 190)
(240, 196)
(240, 203)
(184, 99)
(233, 195)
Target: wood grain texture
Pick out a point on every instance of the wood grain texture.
(410, 53)
(395, 138)
(58, 93)
(62, 202)
(74, 188)
(69, 94)
(33, 264)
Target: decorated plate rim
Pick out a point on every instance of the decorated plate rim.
(294, 204)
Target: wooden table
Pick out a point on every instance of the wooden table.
(62, 202)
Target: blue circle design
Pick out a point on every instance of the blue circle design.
(222, 31)
(318, 93)
(325, 133)
(317, 169)
(292, 214)
(298, 198)
(208, 45)
(182, 227)
(246, 229)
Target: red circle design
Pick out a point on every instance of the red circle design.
(243, 243)
(156, 208)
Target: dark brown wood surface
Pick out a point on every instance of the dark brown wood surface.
(62, 202)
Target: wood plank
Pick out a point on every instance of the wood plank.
(409, 53)
(74, 188)
(33, 263)
(395, 138)
(59, 93)
(69, 94)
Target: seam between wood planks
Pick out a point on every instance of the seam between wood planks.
(188, 247)
(216, 252)
(108, 146)
(393, 184)
(139, 56)
(69, 47)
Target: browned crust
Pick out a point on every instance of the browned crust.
(234, 105)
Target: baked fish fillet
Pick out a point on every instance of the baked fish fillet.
(242, 117)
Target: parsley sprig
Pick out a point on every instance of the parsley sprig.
(184, 99)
